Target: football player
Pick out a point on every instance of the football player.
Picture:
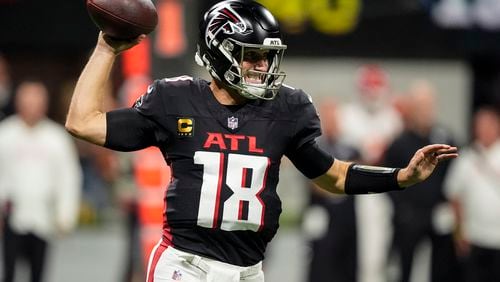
(224, 140)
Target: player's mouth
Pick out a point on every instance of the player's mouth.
(254, 77)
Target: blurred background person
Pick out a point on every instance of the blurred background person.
(369, 123)
(5, 88)
(416, 212)
(473, 186)
(40, 181)
(329, 221)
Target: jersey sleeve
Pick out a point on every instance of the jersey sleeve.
(137, 127)
(151, 104)
(303, 151)
(311, 160)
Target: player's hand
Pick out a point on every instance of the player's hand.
(117, 46)
(423, 163)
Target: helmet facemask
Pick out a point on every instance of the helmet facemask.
(235, 77)
(253, 83)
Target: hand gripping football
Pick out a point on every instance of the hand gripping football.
(123, 19)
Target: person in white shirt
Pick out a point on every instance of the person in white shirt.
(370, 123)
(40, 181)
(473, 186)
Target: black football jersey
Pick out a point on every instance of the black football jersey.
(221, 202)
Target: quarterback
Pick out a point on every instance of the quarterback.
(224, 140)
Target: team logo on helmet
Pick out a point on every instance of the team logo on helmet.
(225, 20)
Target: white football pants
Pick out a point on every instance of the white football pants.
(170, 264)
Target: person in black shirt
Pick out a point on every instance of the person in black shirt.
(330, 220)
(224, 140)
(416, 210)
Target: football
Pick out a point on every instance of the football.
(123, 19)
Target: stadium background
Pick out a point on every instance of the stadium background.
(327, 41)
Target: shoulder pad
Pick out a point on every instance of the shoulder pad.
(172, 86)
(296, 96)
(178, 78)
(176, 81)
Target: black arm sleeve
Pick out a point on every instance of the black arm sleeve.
(128, 130)
(362, 179)
(311, 160)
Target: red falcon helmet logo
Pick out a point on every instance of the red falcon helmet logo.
(225, 20)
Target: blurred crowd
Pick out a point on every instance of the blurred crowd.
(40, 176)
(378, 237)
(50, 184)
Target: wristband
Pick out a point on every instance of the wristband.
(361, 179)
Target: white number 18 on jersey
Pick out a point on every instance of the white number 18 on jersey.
(246, 177)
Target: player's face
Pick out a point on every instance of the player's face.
(254, 62)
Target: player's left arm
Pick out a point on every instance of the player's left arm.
(342, 177)
(349, 178)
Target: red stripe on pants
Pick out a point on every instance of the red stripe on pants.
(156, 257)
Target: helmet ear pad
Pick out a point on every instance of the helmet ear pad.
(210, 60)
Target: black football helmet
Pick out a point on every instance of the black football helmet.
(227, 31)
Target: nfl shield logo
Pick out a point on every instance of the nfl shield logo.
(232, 122)
(177, 276)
